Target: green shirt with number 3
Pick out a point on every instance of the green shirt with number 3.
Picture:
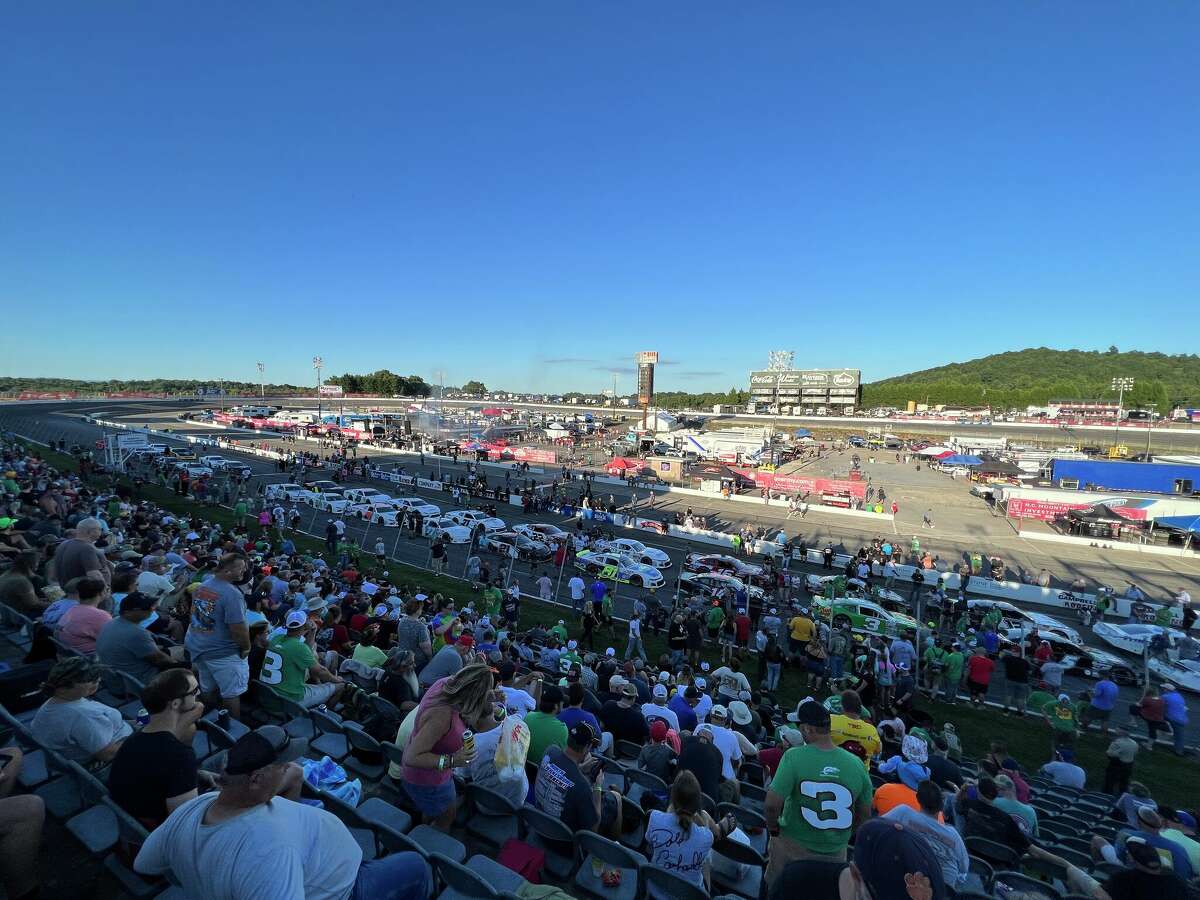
(821, 790)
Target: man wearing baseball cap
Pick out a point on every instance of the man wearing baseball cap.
(124, 643)
(290, 661)
(73, 724)
(246, 841)
(568, 787)
(818, 796)
(657, 708)
(622, 718)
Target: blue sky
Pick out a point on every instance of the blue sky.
(527, 193)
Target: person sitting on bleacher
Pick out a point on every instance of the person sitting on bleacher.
(246, 841)
(125, 644)
(69, 723)
(82, 623)
(1150, 826)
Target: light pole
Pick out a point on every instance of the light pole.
(318, 364)
(262, 390)
(1120, 385)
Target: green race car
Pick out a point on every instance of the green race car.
(863, 615)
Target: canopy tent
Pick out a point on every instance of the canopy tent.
(1099, 513)
(1180, 523)
(935, 451)
(493, 411)
(801, 433)
(957, 459)
(999, 467)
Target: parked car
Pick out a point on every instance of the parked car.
(447, 528)
(320, 487)
(417, 504)
(473, 517)
(617, 567)
(542, 532)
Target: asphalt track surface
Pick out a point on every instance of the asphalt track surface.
(41, 426)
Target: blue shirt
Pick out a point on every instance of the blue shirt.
(572, 716)
(1179, 857)
(1104, 695)
(599, 589)
(1174, 708)
(990, 641)
(684, 712)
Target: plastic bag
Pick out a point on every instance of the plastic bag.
(348, 792)
(512, 748)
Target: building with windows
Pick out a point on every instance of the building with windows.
(807, 391)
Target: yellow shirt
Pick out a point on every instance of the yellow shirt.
(802, 629)
(843, 728)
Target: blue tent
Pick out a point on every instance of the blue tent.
(802, 432)
(1183, 523)
(959, 459)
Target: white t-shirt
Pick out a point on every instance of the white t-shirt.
(517, 702)
(635, 628)
(683, 854)
(576, 587)
(271, 852)
(654, 711)
(154, 585)
(730, 683)
(731, 749)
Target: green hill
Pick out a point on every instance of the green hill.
(1032, 377)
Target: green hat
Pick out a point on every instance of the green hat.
(6, 523)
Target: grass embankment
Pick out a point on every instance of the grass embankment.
(1028, 739)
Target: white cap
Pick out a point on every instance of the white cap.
(701, 684)
(719, 712)
(660, 690)
(571, 645)
(297, 618)
(704, 667)
(381, 610)
(610, 652)
(664, 677)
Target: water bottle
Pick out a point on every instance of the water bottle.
(223, 718)
(143, 717)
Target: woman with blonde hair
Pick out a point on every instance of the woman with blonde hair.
(681, 839)
(462, 702)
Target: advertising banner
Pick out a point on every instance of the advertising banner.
(799, 484)
(429, 485)
(1048, 510)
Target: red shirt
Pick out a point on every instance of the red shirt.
(358, 622)
(770, 758)
(979, 669)
(743, 627)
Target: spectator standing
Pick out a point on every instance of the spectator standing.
(1104, 699)
(218, 638)
(1121, 753)
(1016, 677)
(818, 796)
(1175, 712)
(979, 675)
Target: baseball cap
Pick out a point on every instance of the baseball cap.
(381, 610)
(297, 618)
(718, 712)
(1064, 698)
(572, 644)
(1185, 818)
(885, 852)
(660, 690)
(810, 712)
(610, 652)
(792, 737)
(465, 640)
(260, 748)
(701, 684)
(581, 736)
(772, 610)
(692, 693)
(615, 684)
(664, 677)
(1167, 686)
(1150, 816)
(628, 690)
(704, 667)
(1141, 853)
(137, 601)
(658, 730)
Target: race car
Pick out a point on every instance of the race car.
(292, 492)
(195, 470)
(712, 583)
(817, 584)
(542, 532)
(364, 495)
(1081, 661)
(1133, 637)
(328, 501)
(716, 562)
(379, 513)
(863, 615)
(447, 528)
(473, 517)
(618, 567)
(502, 542)
(1015, 617)
(321, 487)
(416, 504)
(649, 556)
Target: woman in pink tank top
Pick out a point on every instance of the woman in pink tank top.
(450, 707)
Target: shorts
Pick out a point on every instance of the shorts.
(316, 694)
(726, 640)
(431, 799)
(815, 666)
(975, 688)
(1018, 693)
(1091, 714)
(230, 675)
(713, 634)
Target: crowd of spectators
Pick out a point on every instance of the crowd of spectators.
(859, 796)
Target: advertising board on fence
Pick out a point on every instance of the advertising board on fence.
(1048, 510)
(799, 484)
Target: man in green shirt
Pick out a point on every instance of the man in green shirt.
(1063, 720)
(545, 728)
(560, 631)
(493, 597)
(818, 798)
(954, 669)
(240, 511)
(290, 660)
(713, 619)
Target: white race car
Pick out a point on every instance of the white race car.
(709, 583)
(293, 492)
(195, 470)
(323, 487)
(1181, 673)
(1132, 637)
(649, 556)
(1024, 619)
(542, 532)
(444, 526)
(416, 504)
(716, 562)
(618, 567)
(328, 501)
(365, 495)
(473, 517)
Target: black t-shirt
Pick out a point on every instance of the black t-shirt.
(805, 877)
(677, 637)
(658, 759)
(704, 761)
(1016, 669)
(1134, 884)
(563, 791)
(147, 770)
(626, 723)
(942, 770)
(695, 640)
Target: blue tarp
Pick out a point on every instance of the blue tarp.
(802, 432)
(959, 459)
(1183, 523)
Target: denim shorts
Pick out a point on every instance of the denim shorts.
(431, 799)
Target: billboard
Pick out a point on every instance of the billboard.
(830, 378)
(845, 381)
(646, 360)
(331, 390)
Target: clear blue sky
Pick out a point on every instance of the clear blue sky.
(528, 193)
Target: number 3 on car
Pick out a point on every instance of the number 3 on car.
(834, 798)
